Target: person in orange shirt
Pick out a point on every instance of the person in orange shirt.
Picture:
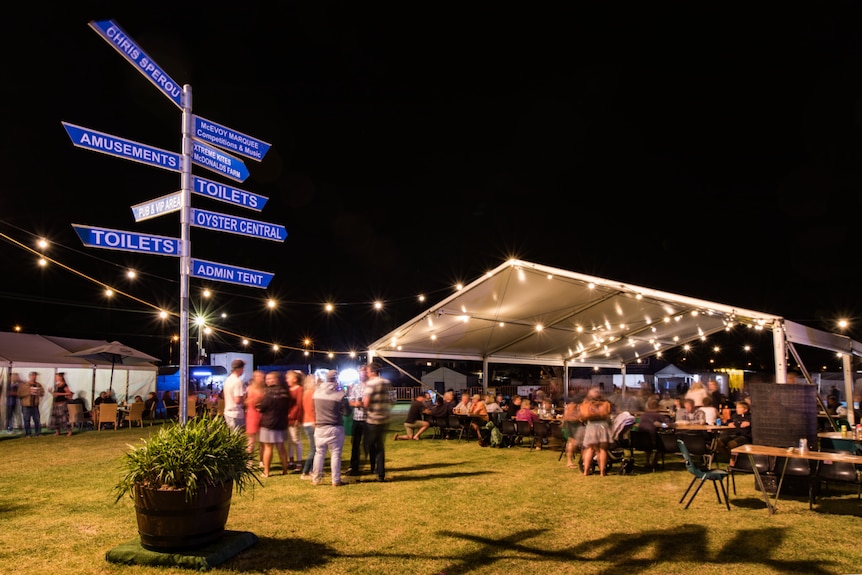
(255, 391)
(309, 422)
(293, 443)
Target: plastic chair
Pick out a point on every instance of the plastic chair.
(558, 433)
(76, 415)
(136, 414)
(541, 431)
(509, 432)
(107, 415)
(701, 476)
(666, 441)
(454, 423)
(742, 464)
(646, 442)
(699, 444)
(524, 429)
(837, 472)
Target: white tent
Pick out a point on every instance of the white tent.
(451, 379)
(48, 355)
(528, 313)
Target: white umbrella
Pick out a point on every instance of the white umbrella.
(115, 352)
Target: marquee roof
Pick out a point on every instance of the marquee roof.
(528, 313)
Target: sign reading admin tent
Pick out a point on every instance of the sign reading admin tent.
(230, 274)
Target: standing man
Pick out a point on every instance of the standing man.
(357, 432)
(378, 405)
(234, 415)
(329, 429)
(12, 399)
(31, 394)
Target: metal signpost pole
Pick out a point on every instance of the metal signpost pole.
(185, 257)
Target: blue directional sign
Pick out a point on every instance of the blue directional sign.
(230, 274)
(128, 49)
(122, 148)
(224, 193)
(154, 208)
(214, 159)
(235, 225)
(127, 241)
(229, 139)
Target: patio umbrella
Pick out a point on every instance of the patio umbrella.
(115, 352)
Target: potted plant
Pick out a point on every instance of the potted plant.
(182, 479)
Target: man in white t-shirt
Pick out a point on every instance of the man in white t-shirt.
(234, 415)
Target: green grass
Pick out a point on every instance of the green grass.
(451, 507)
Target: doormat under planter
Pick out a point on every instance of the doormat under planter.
(201, 559)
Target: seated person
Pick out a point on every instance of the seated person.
(413, 423)
(172, 408)
(739, 429)
(463, 408)
(710, 413)
(666, 402)
(479, 419)
(651, 419)
(150, 404)
(512, 408)
(688, 414)
(525, 413)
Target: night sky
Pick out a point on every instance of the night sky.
(711, 151)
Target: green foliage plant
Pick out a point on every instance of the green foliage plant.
(201, 453)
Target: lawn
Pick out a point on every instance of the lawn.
(451, 507)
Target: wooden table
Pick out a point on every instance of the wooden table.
(786, 452)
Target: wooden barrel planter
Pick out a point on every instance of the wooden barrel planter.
(167, 522)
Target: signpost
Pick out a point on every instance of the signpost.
(203, 144)
(128, 49)
(235, 225)
(224, 193)
(214, 159)
(230, 274)
(93, 237)
(228, 139)
(160, 206)
(122, 148)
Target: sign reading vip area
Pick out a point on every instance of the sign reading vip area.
(122, 148)
(235, 225)
(230, 274)
(129, 49)
(229, 139)
(93, 237)
(159, 206)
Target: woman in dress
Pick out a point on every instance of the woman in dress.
(597, 433)
(255, 391)
(273, 407)
(60, 408)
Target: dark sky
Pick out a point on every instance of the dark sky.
(711, 151)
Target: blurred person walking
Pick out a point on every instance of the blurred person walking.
(273, 408)
(357, 431)
(12, 399)
(61, 393)
(293, 442)
(378, 408)
(329, 409)
(234, 412)
(309, 420)
(255, 391)
(30, 395)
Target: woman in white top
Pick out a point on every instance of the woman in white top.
(697, 392)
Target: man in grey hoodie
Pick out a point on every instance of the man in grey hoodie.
(329, 431)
